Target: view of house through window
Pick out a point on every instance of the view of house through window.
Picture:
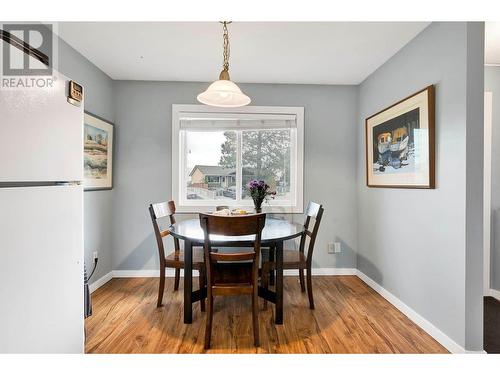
(211, 163)
(219, 154)
(208, 175)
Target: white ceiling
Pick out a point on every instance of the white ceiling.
(276, 52)
(492, 42)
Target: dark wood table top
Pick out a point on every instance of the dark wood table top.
(275, 230)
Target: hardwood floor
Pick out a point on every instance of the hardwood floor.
(349, 318)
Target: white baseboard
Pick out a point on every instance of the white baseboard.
(494, 293)
(333, 271)
(324, 272)
(100, 282)
(423, 323)
(170, 272)
(131, 273)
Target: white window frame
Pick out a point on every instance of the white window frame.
(180, 111)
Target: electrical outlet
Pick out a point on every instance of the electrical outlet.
(338, 248)
(331, 248)
(96, 255)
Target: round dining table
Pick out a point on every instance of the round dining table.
(275, 232)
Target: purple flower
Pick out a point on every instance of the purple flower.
(259, 190)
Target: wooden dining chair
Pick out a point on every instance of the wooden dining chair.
(176, 258)
(297, 259)
(232, 273)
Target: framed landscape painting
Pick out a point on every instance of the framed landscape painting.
(400, 143)
(97, 153)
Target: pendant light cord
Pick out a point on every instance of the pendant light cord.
(225, 37)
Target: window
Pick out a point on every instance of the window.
(217, 151)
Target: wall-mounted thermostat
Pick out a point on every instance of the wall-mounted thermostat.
(75, 94)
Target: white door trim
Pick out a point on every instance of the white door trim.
(488, 109)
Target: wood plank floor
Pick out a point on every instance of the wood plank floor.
(349, 317)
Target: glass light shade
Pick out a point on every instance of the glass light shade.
(223, 93)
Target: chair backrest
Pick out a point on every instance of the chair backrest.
(313, 211)
(158, 211)
(163, 209)
(246, 225)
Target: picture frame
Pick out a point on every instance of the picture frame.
(400, 143)
(98, 136)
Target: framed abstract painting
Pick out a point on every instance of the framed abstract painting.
(400, 144)
(97, 153)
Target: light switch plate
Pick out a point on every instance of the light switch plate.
(331, 248)
(338, 247)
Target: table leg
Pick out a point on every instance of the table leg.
(188, 282)
(272, 250)
(279, 282)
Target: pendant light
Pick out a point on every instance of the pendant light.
(224, 92)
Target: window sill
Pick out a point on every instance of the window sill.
(210, 207)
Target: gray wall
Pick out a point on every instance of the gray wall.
(492, 83)
(421, 245)
(410, 241)
(97, 204)
(143, 162)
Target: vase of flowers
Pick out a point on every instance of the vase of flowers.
(260, 192)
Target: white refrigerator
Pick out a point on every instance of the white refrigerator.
(41, 221)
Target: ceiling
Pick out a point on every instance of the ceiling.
(492, 43)
(263, 52)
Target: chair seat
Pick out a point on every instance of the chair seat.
(292, 259)
(176, 259)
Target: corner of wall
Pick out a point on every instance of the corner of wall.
(359, 180)
(474, 187)
(99, 99)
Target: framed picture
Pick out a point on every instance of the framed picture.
(97, 153)
(400, 144)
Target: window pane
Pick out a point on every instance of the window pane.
(210, 171)
(266, 156)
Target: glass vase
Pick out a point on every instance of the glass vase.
(258, 205)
